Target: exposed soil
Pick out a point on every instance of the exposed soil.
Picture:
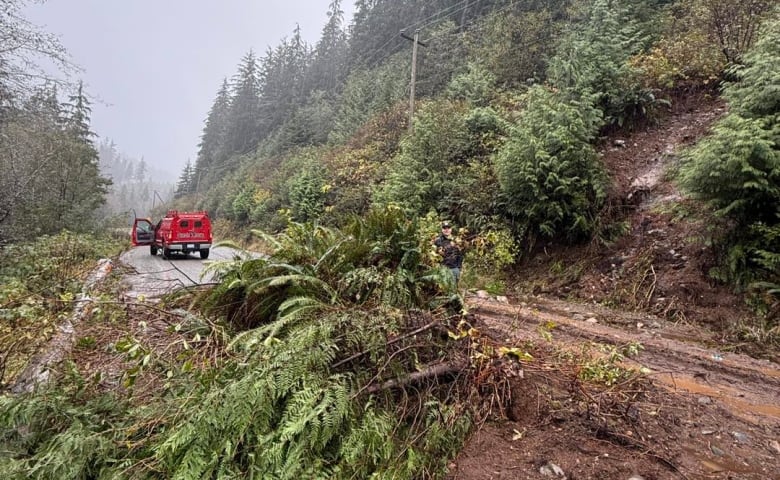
(702, 409)
(694, 413)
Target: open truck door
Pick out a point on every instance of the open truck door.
(143, 232)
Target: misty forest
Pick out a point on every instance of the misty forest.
(339, 161)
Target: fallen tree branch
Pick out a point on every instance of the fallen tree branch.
(395, 340)
(436, 370)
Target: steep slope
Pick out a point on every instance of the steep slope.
(661, 265)
(700, 411)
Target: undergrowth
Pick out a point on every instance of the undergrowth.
(342, 355)
(341, 365)
(38, 282)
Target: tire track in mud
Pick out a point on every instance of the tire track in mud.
(748, 387)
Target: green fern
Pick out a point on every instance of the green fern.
(319, 320)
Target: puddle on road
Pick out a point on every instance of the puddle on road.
(722, 393)
(719, 465)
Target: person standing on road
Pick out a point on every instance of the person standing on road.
(450, 250)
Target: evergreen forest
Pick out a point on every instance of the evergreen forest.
(344, 350)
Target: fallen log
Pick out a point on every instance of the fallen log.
(38, 370)
(436, 370)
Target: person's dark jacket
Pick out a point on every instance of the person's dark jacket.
(452, 255)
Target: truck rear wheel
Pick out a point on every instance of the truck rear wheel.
(204, 253)
(153, 249)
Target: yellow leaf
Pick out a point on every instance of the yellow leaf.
(515, 352)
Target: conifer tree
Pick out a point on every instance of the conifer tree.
(81, 188)
(79, 116)
(129, 172)
(376, 23)
(185, 184)
(592, 59)
(297, 62)
(737, 169)
(548, 171)
(44, 104)
(53, 180)
(212, 144)
(140, 171)
(328, 70)
(243, 117)
(111, 162)
(283, 80)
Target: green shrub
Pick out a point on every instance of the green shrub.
(548, 171)
(477, 86)
(736, 170)
(307, 191)
(514, 46)
(492, 250)
(684, 56)
(243, 203)
(423, 172)
(592, 61)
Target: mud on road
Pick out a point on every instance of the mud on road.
(694, 413)
(749, 386)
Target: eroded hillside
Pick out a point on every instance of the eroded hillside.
(700, 410)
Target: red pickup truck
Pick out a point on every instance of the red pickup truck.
(180, 232)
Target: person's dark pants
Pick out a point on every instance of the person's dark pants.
(456, 274)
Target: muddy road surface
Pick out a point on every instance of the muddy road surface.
(700, 412)
(669, 353)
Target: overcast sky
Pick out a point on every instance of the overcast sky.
(155, 66)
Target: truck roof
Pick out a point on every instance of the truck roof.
(176, 213)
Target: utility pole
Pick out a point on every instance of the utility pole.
(415, 41)
(155, 197)
(463, 15)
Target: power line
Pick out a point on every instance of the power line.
(481, 24)
(416, 26)
(372, 58)
(483, 19)
(419, 25)
(369, 58)
(390, 54)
